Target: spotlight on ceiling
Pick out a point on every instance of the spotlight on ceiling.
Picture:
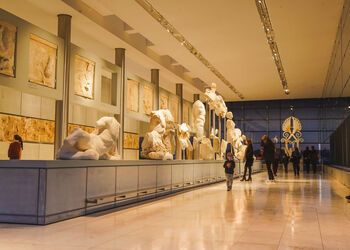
(287, 91)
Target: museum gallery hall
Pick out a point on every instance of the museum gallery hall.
(162, 124)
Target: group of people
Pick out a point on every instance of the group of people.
(229, 164)
(273, 157)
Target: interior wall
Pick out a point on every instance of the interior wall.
(26, 107)
(337, 82)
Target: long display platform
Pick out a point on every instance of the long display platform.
(43, 192)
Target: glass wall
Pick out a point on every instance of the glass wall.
(337, 82)
(319, 118)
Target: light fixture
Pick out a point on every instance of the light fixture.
(183, 41)
(266, 22)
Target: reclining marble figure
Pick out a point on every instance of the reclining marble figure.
(159, 142)
(99, 145)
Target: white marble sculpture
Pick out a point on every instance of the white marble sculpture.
(206, 151)
(230, 128)
(215, 101)
(198, 112)
(223, 149)
(240, 148)
(183, 136)
(100, 144)
(159, 142)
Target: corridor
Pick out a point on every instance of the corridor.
(308, 212)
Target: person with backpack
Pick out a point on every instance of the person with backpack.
(229, 167)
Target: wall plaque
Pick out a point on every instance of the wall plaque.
(42, 61)
(84, 76)
(7, 48)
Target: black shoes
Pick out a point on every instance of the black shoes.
(244, 179)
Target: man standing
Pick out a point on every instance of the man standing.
(268, 154)
(307, 159)
(314, 158)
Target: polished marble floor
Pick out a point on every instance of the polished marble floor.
(308, 212)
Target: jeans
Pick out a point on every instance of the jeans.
(275, 166)
(249, 167)
(307, 165)
(269, 170)
(229, 180)
(296, 168)
(285, 167)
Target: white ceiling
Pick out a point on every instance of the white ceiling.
(228, 33)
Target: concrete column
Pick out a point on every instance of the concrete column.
(196, 97)
(62, 106)
(120, 61)
(179, 93)
(155, 81)
(207, 120)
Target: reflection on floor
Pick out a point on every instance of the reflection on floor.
(308, 212)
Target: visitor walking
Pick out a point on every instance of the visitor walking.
(15, 148)
(296, 161)
(249, 159)
(268, 153)
(285, 160)
(307, 159)
(229, 166)
(314, 159)
(276, 161)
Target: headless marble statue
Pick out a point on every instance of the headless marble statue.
(159, 143)
(100, 144)
(198, 112)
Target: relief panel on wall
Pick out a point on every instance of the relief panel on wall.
(132, 96)
(131, 141)
(84, 76)
(7, 48)
(30, 129)
(174, 107)
(163, 101)
(72, 126)
(148, 97)
(42, 61)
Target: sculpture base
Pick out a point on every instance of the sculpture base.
(52, 191)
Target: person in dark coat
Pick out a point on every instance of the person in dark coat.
(314, 159)
(249, 160)
(229, 167)
(276, 161)
(268, 148)
(307, 159)
(285, 160)
(296, 156)
(15, 149)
